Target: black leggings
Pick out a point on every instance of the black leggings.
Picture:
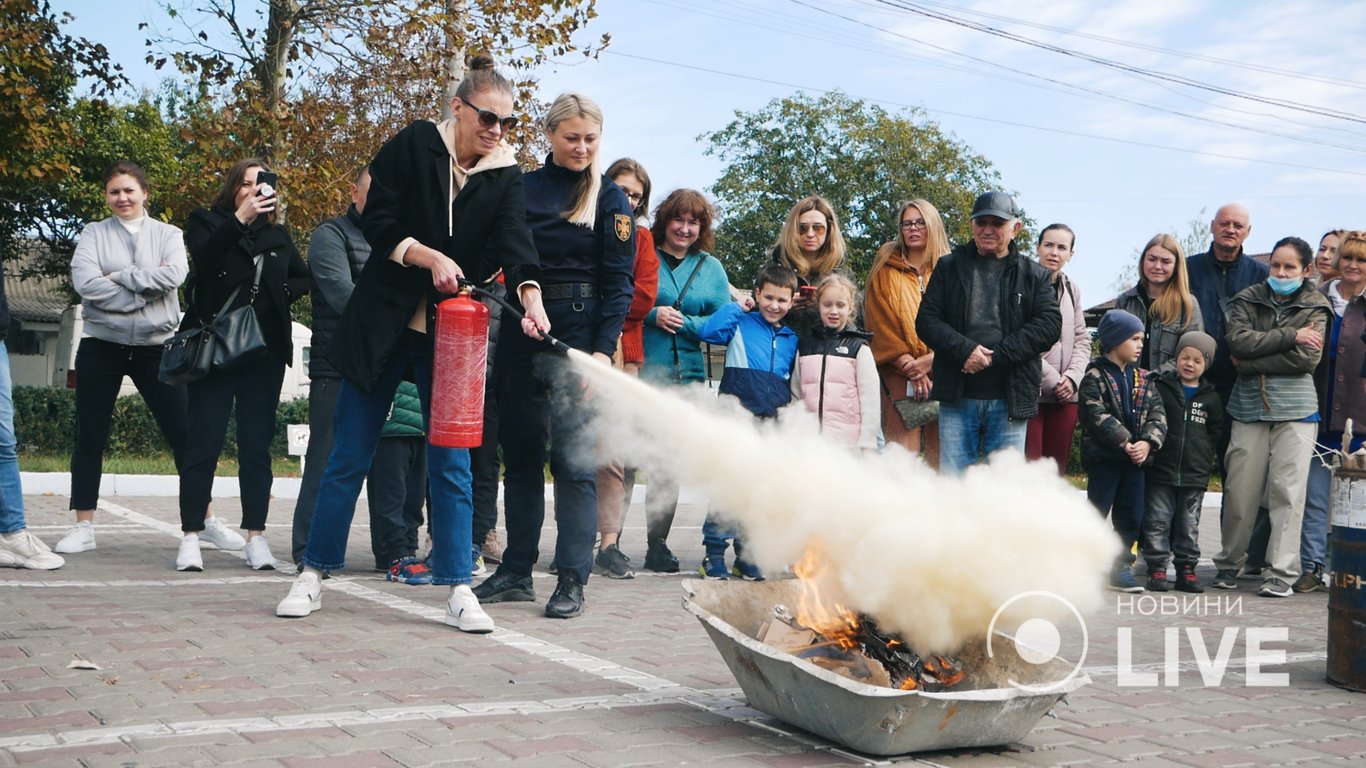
(100, 368)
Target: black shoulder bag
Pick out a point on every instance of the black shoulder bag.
(678, 304)
(226, 340)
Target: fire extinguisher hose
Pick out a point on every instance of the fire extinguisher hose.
(507, 306)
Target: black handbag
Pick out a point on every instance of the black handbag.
(237, 333)
(189, 355)
(186, 357)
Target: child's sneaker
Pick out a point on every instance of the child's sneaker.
(1122, 580)
(1157, 581)
(479, 568)
(1187, 581)
(746, 570)
(410, 570)
(714, 567)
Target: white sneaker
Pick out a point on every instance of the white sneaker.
(81, 538)
(220, 535)
(22, 549)
(259, 557)
(305, 597)
(188, 557)
(464, 612)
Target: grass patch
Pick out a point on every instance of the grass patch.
(145, 465)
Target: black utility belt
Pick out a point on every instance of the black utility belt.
(569, 291)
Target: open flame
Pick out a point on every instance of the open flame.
(845, 635)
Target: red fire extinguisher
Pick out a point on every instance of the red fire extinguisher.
(458, 362)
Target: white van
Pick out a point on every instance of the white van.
(72, 331)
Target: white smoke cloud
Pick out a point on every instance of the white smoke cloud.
(928, 556)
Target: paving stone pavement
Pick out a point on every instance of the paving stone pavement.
(196, 670)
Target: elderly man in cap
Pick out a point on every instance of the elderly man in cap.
(988, 313)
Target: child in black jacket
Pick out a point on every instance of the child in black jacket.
(1177, 478)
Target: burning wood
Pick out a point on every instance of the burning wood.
(837, 639)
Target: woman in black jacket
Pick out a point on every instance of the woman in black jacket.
(229, 243)
(585, 235)
(445, 202)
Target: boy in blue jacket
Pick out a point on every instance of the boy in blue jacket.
(760, 354)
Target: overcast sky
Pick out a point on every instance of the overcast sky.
(1117, 155)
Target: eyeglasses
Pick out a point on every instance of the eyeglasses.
(489, 119)
(910, 224)
(817, 228)
(634, 197)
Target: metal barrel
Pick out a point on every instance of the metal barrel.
(1347, 582)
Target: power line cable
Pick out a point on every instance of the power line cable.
(983, 118)
(1354, 148)
(1117, 65)
(1246, 65)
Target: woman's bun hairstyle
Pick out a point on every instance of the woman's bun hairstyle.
(480, 61)
(482, 75)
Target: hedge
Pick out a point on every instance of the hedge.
(45, 422)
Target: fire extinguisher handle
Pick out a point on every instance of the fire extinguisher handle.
(507, 306)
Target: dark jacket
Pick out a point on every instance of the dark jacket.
(603, 256)
(485, 229)
(1105, 427)
(1193, 430)
(1029, 312)
(222, 254)
(337, 253)
(1213, 289)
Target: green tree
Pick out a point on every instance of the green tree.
(859, 156)
(40, 66)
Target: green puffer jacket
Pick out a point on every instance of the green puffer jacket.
(1275, 375)
(1103, 432)
(405, 416)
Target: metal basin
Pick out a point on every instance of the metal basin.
(983, 710)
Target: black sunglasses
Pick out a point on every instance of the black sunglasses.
(489, 119)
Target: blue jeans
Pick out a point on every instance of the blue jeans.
(970, 430)
(11, 493)
(356, 425)
(1314, 526)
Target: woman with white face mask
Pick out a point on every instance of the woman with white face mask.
(1276, 334)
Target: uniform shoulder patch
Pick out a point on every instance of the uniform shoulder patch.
(622, 225)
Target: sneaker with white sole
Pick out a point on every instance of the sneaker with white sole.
(81, 538)
(22, 549)
(464, 612)
(259, 557)
(305, 596)
(221, 536)
(187, 558)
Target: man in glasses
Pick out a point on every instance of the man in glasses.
(988, 314)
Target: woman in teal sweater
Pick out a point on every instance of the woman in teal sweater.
(692, 286)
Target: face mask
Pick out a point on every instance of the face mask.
(1284, 286)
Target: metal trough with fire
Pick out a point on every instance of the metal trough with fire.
(984, 709)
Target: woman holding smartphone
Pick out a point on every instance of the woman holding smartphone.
(236, 244)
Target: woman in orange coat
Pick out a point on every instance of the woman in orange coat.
(615, 479)
(896, 282)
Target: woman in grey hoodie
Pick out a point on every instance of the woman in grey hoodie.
(127, 269)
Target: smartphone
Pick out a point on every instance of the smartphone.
(268, 177)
